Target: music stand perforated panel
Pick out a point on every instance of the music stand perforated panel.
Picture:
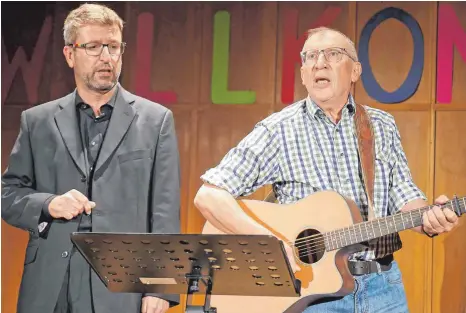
(155, 263)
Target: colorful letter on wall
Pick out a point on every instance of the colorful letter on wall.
(449, 34)
(221, 52)
(32, 71)
(410, 85)
(292, 46)
(142, 76)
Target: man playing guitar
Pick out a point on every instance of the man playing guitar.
(310, 146)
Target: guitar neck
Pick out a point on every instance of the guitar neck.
(376, 228)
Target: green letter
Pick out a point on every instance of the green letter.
(220, 93)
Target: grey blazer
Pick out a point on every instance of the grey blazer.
(136, 187)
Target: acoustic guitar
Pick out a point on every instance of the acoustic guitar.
(323, 229)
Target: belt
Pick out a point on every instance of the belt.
(367, 267)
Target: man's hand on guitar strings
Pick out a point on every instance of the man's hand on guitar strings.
(438, 220)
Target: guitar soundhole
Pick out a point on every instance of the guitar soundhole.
(310, 246)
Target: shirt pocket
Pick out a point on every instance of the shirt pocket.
(384, 162)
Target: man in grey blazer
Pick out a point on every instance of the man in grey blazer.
(99, 159)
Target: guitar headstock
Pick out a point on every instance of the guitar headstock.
(459, 205)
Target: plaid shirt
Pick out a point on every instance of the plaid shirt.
(299, 150)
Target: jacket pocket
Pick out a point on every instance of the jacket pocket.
(134, 155)
(31, 252)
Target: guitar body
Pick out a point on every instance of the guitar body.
(324, 276)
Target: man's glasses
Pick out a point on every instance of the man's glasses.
(96, 48)
(332, 55)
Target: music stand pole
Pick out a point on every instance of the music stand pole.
(194, 278)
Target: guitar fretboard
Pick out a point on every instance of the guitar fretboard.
(365, 231)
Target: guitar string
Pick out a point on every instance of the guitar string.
(352, 229)
(395, 216)
(319, 243)
(368, 229)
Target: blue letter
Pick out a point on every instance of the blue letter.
(411, 83)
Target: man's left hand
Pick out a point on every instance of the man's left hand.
(437, 220)
(154, 305)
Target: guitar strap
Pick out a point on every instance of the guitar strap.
(366, 150)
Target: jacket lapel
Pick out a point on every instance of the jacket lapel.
(122, 117)
(67, 124)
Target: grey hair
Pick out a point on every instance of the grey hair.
(352, 51)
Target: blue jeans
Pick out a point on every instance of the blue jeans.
(373, 293)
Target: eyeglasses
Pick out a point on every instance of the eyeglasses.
(96, 48)
(332, 55)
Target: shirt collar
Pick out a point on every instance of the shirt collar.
(111, 102)
(316, 111)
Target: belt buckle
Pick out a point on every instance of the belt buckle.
(358, 268)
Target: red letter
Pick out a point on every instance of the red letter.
(32, 70)
(449, 34)
(292, 46)
(142, 77)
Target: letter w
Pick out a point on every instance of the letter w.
(32, 70)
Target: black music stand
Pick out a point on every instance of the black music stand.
(252, 265)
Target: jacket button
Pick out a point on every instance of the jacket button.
(83, 179)
(64, 254)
